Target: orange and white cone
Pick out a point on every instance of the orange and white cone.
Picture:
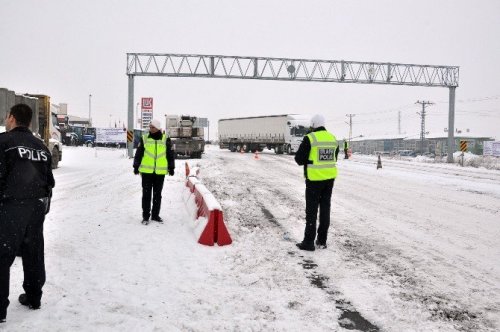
(187, 169)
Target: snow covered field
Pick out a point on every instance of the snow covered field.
(412, 247)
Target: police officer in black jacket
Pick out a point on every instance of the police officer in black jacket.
(26, 182)
(318, 154)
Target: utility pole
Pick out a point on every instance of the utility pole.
(90, 109)
(399, 122)
(422, 125)
(350, 116)
(136, 114)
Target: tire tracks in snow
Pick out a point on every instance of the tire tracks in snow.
(349, 317)
(412, 279)
(378, 259)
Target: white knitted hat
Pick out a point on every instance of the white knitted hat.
(155, 123)
(317, 121)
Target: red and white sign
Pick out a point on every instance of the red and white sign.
(146, 112)
(147, 103)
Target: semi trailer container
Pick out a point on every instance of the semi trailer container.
(281, 133)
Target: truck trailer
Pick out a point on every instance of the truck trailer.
(281, 133)
(44, 123)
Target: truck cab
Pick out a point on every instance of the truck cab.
(187, 139)
(298, 127)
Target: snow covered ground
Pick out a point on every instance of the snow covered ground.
(412, 247)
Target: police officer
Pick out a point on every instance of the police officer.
(346, 149)
(318, 153)
(26, 182)
(153, 159)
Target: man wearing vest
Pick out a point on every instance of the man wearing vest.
(154, 158)
(318, 153)
(346, 149)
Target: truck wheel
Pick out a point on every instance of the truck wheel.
(288, 149)
(238, 148)
(55, 158)
(246, 148)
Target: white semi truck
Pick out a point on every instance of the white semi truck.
(281, 133)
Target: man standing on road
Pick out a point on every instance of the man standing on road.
(318, 153)
(26, 183)
(346, 149)
(154, 158)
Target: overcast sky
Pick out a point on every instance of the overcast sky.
(70, 49)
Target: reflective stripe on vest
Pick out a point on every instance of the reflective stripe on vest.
(322, 156)
(155, 156)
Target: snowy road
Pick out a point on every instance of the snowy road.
(412, 247)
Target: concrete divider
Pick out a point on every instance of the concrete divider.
(205, 213)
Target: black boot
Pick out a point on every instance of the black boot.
(157, 219)
(3, 315)
(31, 303)
(320, 245)
(306, 246)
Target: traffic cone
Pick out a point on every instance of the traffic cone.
(379, 162)
(256, 155)
(187, 169)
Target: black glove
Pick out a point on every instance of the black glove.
(171, 171)
(136, 171)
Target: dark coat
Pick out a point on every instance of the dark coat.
(302, 155)
(139, 153)
(25, 166)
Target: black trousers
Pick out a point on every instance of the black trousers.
(346, 154)
(318, 195)
(151, 183)
(21, 228)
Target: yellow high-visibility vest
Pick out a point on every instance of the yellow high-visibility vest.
(322, 156)
(155, 156)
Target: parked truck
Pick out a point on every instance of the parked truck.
(44, 122)
(281, 133)
(187, 140)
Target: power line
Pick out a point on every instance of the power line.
(390, 110)
(473, 99)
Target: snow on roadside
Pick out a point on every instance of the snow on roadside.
(402, 251)
(106, 271)
(413, 245)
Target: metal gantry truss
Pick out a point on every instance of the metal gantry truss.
(284, 69)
